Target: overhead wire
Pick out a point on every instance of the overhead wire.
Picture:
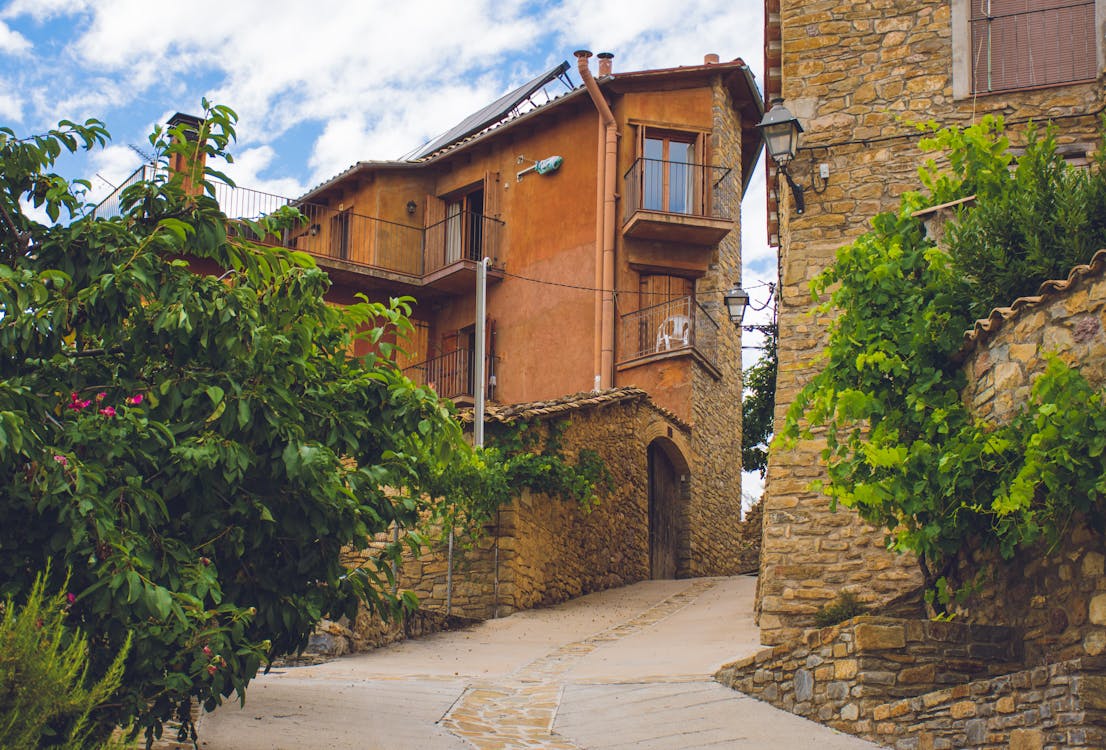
(585, 288)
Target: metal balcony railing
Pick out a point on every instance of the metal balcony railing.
(677, 324)
(451, 375)
(466, 235)
(1015, 48)
(109, 207)
(674, 187)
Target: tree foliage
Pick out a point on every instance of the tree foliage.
(902, 447)
(758, 407)
(197, 450)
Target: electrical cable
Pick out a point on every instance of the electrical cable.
(698, 292)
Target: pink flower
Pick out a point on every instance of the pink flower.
(76, 403)
(207, 650)
(135, 399)
(61, 459)
(70, 597)
(100, 397)
(108, 411)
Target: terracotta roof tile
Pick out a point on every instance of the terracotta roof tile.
(985, 328)
(567, 404)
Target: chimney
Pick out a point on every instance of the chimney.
(605, 63)
(191, 162)
(710, 59)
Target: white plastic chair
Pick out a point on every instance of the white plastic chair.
(674, 333)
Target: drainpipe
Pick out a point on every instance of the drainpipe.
(604, 243)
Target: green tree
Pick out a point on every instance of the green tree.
(758, 407)
(197, 450)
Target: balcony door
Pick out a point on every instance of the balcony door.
(668, 174)
(464, 227)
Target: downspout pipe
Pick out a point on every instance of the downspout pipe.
(604, 243)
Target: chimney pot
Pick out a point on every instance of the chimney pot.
(710, 59)
(582, 54)
(605, 59)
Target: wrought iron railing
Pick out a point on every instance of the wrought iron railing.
(109, 207)
(451, 375)
(1013, 48)
(674, 187)
(677, 324)
(466, 235)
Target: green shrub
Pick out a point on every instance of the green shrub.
(46, 700)
(845, 607)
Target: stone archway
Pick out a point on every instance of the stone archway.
(668, 478)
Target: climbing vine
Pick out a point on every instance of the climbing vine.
(526, 454)
(901, 447)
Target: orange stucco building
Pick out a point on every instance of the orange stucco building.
(609, 215)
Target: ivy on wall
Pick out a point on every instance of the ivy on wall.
(901, 446)
(526, 454)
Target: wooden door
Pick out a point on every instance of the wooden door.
(664, 519)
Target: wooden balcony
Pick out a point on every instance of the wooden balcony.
(675, 202)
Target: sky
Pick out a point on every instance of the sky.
(317, 88)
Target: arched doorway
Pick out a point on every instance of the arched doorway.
(667, 513)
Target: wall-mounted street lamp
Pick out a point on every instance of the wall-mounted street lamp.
(737, 299)
(781, 131)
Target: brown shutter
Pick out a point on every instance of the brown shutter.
(434, 254)
(493, 241)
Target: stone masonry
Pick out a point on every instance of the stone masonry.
(857, 74)
(714, 513)
(541, 550)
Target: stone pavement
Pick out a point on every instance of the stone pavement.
(627, 668)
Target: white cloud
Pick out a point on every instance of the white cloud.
(41, 10)
(11, 106)
(12, 42)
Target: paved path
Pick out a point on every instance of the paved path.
(627, 668)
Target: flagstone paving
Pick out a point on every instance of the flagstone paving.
(627, 668)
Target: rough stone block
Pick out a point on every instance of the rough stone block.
(846, 669)
(871, 637)
(962, 710)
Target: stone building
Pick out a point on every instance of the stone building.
(857, 75)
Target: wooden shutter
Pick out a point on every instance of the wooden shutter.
(1020, 44)
(435, 234)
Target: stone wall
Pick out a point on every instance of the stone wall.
(1055, 707)
(1057, 596)
(714, 512)
(1008, 350)
(840, 675)
(856, 74)
(541, 550)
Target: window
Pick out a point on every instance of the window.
(669, 172)
(1006, 45)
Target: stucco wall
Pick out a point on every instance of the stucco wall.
(856, 74)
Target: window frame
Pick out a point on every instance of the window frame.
(962, 52)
